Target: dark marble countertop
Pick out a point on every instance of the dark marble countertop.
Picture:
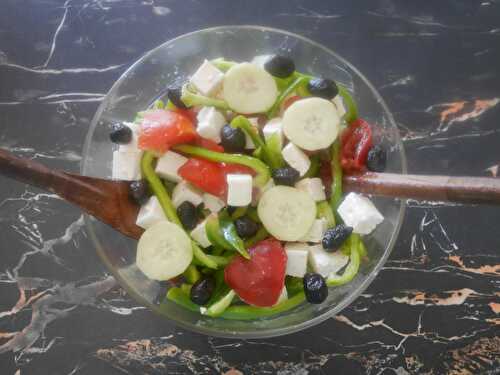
(433, 309)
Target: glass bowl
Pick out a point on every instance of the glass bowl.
(172, 63)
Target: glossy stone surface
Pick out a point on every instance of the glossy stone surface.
(433, 309)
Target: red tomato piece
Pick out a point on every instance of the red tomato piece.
(162, 129)
(356, 141)
(260, 279)
(190, 113)
(206, 175)
(208, 144)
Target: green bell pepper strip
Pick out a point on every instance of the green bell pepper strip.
(166, 204)
(186, 288)
(261, 234)
(214, 233)
(324, 211)
(170, 105)
(191, 99)
(191, 274)
(314, 168)
(228, 230)
(158, 104)
(245, 312)
(301, 80)
(263, 173)
(178, 296)
(274, 145)
(352, 109)
(351, 269)
(271, 157)
(239, 212)
(222, 64)
(294, 285)
(336, 195)
(217, 308)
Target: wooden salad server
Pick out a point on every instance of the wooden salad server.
(109, 200)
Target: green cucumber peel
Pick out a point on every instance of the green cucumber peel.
(262, 170)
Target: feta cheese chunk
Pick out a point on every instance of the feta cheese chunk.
(207, 79)
(283, 296)
(126, 165)
(339, 105)
(210, 123)
(316, 232)
(297, 254)
(132, 146)
(239, 192)
(359, 213)
(314, 187)
(168, 165)
(199, 234)
(150, 213)
(324, 263)
(183, 192)
(296, 158)
(274, 127)
(213, 203)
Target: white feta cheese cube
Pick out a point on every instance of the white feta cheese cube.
(210, 123)
(207, 79)
(239, 192)
(339, 104)
(150, 213)
(126, 165)
(314, 187)
(359, 213)
(283, 296)
(274, 127)
(296, 158)
(213, 203)
(316, 232)
(168, 165)
(297, 254)
(324, 263)
(183, 192)
(199, 234)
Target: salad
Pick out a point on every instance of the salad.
(239, 177)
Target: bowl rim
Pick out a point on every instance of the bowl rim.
(265, 333)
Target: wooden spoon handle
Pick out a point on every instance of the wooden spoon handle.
(433, 188)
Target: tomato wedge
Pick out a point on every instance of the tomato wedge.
(260, 279)
(162, 129)
(356, 141)
(208, 144)
(206, 175)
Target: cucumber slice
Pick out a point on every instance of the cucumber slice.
(287, 213)
(311, 123)
(164, 251)
(248, 88)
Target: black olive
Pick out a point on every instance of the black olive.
(335, 237)
(285, 176)
(377, 158)
(232, 139)
(246, 227)
(120, 134)
(174, 95)
(188, 215)
(202, 290)
(139, 191)
(280, 66)
(315, 288)
(324, 88)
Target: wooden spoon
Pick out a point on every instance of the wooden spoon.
(109, 201)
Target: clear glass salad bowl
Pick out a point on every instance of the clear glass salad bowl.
(171, 63)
